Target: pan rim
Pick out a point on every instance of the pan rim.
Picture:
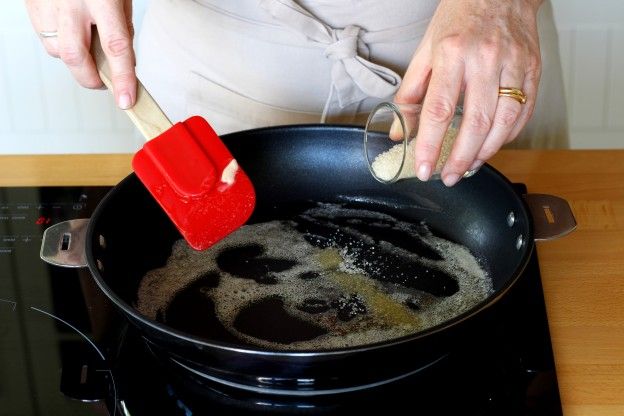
(249, 350)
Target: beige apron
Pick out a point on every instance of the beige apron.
(253, 63)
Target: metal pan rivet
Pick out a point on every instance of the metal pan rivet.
(511, 218)
(102, 242)
(519, 242)
(100, 265)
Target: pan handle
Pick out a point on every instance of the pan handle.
(552, 216)
(63, 244)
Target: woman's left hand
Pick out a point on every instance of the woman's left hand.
(475, 47)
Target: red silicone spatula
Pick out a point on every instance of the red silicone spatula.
(187, 169)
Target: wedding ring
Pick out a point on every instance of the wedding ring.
(48, 34)
(514, 93)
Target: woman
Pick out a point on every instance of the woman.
(253, 63)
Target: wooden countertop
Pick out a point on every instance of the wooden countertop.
(583, 273)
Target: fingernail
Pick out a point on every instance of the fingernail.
(450, 179)
(424, 172)
(124, 101)
(476, 164)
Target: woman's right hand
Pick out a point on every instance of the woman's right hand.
(72, 20)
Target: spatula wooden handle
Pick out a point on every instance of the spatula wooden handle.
(146, 114)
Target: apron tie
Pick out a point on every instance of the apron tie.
(346, 44)
(354, 77)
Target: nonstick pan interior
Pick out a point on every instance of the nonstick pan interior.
(289, 165)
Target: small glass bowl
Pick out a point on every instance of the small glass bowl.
(390, 130)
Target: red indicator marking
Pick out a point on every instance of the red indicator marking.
(43, 220)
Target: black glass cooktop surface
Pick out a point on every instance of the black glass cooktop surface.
(65, 351)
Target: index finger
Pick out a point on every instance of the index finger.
(437, 114)
(116, 39)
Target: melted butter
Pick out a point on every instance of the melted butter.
(385, 310)
(320, 275)
(330, 258)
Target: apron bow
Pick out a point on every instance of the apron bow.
(346, 44)
(354, 77)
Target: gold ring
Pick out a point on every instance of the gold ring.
(514, 93)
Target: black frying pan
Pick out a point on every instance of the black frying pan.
(129, 235)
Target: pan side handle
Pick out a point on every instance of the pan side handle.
(63, 244)
(552, 216)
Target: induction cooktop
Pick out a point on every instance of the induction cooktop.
(64, 350)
